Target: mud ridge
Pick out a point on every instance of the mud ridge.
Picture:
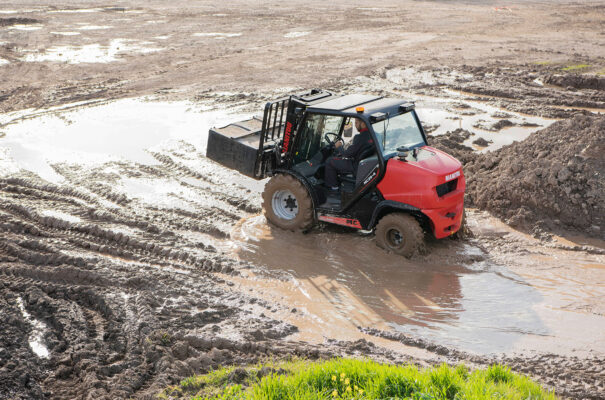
(576, 81)
(18, 21)
(451, 143)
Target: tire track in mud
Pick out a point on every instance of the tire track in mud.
(126, 289)
(129, 302)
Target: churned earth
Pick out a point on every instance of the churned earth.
(129, 261)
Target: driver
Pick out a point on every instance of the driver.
(346, 160)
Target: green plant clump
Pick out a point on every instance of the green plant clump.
(357, 379)
(576, 67)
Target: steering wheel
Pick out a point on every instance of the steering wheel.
(332, 142)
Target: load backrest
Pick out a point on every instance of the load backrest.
(280, 121)
(274, 121)
(272, 131)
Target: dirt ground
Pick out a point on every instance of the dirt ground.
(327, 43)
(129, 261)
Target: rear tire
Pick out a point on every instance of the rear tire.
(401, 234)
(287, 203)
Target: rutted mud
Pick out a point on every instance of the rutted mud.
(117, 255)
(17, 21)
(129, 302)
(134, 261)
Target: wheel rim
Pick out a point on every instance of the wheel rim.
(394, 238)
(284, 204)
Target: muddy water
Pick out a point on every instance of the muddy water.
(571, 283)
(38, 329)
(455, 297)
(454, 109)
(126, 129)
(98, 131)
(477, 118)
(90, 53)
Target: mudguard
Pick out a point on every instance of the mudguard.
(390, 204)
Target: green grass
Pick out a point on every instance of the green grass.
(576, 67)
(358, 379)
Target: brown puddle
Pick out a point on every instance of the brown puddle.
(339, 280)
(476, 117)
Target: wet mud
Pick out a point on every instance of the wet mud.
(576, 81)
(112, 327)
(551, 182)
(452, 142)
(17, 21)
(123, 272)
(128, 292)
(129, 261)
(553, 179)
(570, 377)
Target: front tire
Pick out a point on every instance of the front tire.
(401, 234)
(287, 203)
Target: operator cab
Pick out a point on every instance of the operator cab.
(393, 126)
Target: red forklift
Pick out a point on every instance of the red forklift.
(401, 189)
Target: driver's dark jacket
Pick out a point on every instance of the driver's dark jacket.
(361, 142)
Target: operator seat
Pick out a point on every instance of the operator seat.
(367, 161)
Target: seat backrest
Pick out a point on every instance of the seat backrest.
(365, 166)
(367, 152)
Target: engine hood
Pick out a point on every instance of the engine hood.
(419, 182)
(434, 161)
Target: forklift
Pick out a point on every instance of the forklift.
(401, 188)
